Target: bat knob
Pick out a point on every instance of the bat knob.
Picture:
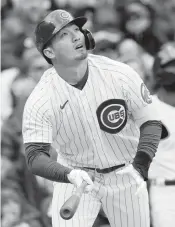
(69, 208)
(66, 214)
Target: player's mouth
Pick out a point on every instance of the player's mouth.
(78, 47)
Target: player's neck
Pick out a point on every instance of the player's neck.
(73, 74)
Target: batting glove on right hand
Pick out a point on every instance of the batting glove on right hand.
(77, 176)
(136, 175)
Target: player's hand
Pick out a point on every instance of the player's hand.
(136, 175)
(77, 176)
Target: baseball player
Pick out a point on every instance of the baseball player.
(99, 117)
(162, 169)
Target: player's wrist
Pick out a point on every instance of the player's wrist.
(73, 176)
(66, 173)
(142, 163)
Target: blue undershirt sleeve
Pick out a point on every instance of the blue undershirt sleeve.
(39, 162)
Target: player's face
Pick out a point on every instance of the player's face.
(69, 45)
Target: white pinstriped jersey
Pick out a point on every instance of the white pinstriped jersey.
(97, 126)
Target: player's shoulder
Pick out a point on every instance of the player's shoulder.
(44, 84)
(42, 92)
(110, 65)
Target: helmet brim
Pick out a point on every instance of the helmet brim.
(79, 21)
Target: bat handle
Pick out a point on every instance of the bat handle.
(80, 190)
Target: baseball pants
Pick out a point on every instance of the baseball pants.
(114, 193)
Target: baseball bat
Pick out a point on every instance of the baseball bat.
(69, 208)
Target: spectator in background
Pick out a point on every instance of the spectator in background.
(113, 43)
(106, 43)
(88, 12)
(16, 174)
(15, 212)
(73, 4)
(170, 5)
(12, 39)
(137, 58)
(164, 20)
(6, 5)
(139, 21)
(31, 11)
(34, 64)
(106, 17)
(7, 78)
(117, 47)
(18, 25)
(162, 169)
(19, 82)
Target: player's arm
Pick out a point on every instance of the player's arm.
(143, 112)
(38, 133)
(150, 134)
(40, 163)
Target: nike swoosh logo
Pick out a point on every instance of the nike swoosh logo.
(62, 106)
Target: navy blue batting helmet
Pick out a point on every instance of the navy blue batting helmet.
(53, 23)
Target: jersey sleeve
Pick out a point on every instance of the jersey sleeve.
(137, 96)
(37, 124)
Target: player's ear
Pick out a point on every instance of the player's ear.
(49, 53)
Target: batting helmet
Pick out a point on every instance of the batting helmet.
(53, 23)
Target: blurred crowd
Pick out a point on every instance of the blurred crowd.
(130, 31)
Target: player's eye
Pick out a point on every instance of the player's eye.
(77, 29)
(63, 34)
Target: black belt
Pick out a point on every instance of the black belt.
(106, 170)
(169, 182)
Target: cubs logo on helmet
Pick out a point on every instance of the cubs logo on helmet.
(112, 115)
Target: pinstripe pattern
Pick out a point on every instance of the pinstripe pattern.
(74, 130)
(75, 133)
(115, 194)
(86, 213)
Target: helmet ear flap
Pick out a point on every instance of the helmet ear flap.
(89, 39)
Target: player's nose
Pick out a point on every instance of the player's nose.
(75, 37)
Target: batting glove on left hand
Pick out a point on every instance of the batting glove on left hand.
(77, 176)
(136, 175)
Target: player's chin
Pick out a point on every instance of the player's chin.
(81, 55)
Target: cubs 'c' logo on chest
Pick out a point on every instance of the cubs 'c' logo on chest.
(112, 115)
